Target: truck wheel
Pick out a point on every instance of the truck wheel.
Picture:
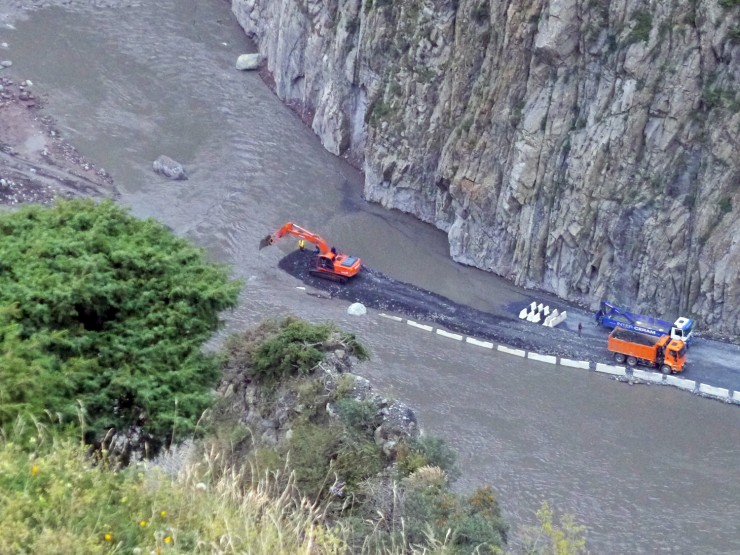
(631, 361)
(619, 357)
(667, 370)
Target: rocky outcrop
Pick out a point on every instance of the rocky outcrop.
(587, 148)
(272, 411)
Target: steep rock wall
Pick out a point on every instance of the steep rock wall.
(590, 148)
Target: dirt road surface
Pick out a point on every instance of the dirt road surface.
(711, 362)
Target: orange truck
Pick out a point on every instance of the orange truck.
(637, 348)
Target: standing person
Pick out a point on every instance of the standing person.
(580, 329)
(301, 244)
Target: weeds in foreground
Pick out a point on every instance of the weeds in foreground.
(56, 500)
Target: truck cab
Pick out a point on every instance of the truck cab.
(683, 329)
(674, 353)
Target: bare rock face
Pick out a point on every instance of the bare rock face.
(588, 149)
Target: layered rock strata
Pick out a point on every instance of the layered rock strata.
(589, 148)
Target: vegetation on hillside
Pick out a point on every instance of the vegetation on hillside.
(102, 322)
(105, 313)
(58, 503)
(386, 494)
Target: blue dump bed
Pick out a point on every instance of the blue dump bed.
(612, 316)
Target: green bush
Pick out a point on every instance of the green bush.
(296, 349)
(345, 385)
(408, 459)
(474, 525)
(353, 346)
(311, 448)
(378, 111)
(481, 521)
(359, 416)
(312, 396)
(427, 451)
(357, 460)
(278, 349)
(321, 453)
(103, 310)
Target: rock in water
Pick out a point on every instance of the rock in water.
(357, 309)
(169, 167)
(248, 62)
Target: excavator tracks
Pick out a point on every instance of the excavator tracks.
(328, 276)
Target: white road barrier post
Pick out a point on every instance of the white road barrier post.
(613, 370)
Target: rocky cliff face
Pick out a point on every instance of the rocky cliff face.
(590, 148)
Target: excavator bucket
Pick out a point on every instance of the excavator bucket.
(266, 242)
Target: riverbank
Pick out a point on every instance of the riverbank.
(36, 163)
(133, 80)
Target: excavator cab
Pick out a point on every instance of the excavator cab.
(326, 263)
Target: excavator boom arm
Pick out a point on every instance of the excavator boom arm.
(292, 229)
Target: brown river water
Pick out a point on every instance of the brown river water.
(647, 469)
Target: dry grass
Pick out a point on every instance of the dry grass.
(55, 499)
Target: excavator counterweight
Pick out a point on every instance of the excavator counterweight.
(328, 263)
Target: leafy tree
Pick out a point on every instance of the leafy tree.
(106, 311)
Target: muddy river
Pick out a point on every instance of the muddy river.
(646, 469)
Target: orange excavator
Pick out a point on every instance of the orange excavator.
(329, 264)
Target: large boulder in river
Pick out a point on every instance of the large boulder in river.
(169, 167)
(248, 62)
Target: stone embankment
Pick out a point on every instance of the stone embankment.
(588, 149)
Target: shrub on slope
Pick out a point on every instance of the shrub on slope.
(101, 310)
